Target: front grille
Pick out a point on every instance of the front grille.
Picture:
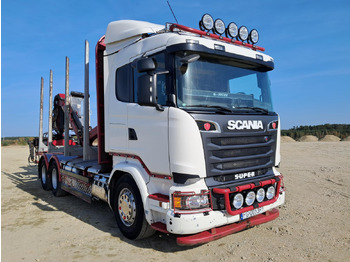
(229, 155)
(241, 152)
(242, 163)
(245, 140)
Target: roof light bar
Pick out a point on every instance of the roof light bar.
(239, 36)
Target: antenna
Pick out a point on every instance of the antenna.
(172, 12)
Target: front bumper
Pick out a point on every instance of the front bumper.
(194, 223)
(198, 222)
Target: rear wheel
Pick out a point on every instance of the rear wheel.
(43, 176)
(128, 210)
(55, 183)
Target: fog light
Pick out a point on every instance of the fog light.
(254, 36)
(232, 30)
(243, 33)
(206, 22)
(270, 193)
(250, 198)
(238, 201)
(219, 26)
(260, 195)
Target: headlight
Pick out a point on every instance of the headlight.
(190, 200)
(250, 198)
(243, 33)
(197, 201)
(260, 195)
(238, 201)
(270, 193)
(254, 36)
(206, 22)
(219, 26)
(232, 30)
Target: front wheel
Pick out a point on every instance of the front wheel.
(55, 182)
(128, 210)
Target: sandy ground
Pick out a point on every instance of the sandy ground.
(314, 223)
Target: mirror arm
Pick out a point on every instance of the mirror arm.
(159, 107)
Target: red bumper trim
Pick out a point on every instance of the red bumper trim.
(216, 233)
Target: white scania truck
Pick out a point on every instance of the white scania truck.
(188, 141)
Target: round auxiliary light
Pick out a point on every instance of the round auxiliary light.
(260, 195)
(232, 30)
(254, 36)
(243, 33)
(238, 201)
(270, 193)
(250, 198)
(219, 26)
(206, 22)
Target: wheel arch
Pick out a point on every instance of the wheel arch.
(136, 175)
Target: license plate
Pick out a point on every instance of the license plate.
(251, 213)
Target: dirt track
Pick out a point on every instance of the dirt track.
(314, 223)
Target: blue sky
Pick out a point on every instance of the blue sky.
(309, 40)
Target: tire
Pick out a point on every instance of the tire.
(128, 210)
(45, 179)
(55, 183)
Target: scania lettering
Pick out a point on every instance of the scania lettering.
(187, 141)
(239, 124)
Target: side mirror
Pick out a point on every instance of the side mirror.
(147, 91)
(146, 65)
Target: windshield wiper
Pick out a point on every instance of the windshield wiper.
(220, 108)
(257, 109)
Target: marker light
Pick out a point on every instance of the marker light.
(206, 22)
(219, 26)
(232, 30)
(250, 198)
(260, 195)
(243, 33)
(238, 201)
(270, 193)
(254, 36)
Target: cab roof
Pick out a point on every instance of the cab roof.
(125, 29)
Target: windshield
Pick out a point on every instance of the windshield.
(218, 82)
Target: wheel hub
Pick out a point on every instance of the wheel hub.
(126, 207)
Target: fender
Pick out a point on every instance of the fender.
(140, 177)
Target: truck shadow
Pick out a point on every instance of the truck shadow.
(97, 214)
